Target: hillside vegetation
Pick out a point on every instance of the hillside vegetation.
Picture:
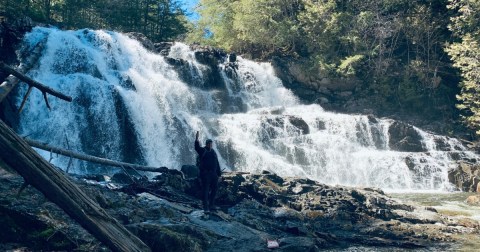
(411, 57)
(405, 53)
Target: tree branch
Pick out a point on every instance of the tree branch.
(34, 83)
(94, 159)
(57, 187)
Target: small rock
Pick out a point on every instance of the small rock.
(473, 200)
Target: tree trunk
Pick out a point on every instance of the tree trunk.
(93, 159)
(11, 80)
(57, 187)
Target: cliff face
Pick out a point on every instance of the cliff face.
(430, 108)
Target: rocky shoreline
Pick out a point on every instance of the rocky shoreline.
(301, 214)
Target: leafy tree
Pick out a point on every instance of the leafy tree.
(466, 56)
(395, 47)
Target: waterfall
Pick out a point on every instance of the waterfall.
(137, 106)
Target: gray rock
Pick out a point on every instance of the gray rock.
(403, 137)
(163, 47)
(466, 177)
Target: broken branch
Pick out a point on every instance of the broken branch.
(33, 82)
(25, 99)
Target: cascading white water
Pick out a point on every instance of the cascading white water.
(132, 105)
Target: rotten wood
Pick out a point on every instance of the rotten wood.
(89, 158)
(34, 83)
(18, 155)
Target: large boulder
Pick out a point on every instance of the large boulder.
(163, 48)
(466, 177)
(208, 55)
(404, 137)
(273, 125)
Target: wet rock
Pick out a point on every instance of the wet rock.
(209, 56)
(300, 124)
(303, 214)
(274, 125)
(403, 137)
(320, 125)
(232, 57)
(163, 48)
(442, 144)
(179, 63)
(372, 119)
(466, 177)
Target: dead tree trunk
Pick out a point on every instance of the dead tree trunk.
(17, 154)
(94, 159)
(11, 80)
(34, 83)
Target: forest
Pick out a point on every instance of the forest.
(419, 56)
(159, 20)
(327, 124)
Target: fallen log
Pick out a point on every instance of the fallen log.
(11, 81)
(93, 159)
(18, 155)
(34, 83)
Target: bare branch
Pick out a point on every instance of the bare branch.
(34, 83)
(46, 100)
(25, 99)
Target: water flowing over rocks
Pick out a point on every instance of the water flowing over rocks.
(165, 213)
(137, 101)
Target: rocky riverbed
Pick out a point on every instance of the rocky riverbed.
(301, 214)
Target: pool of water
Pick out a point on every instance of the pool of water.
(453, 205)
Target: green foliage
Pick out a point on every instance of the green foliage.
(254, 26)
(159, 20)
(349, 65)
(466, 57)
(395, 47)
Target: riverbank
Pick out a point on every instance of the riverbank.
(301, 214)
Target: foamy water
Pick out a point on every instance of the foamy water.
(120, 87)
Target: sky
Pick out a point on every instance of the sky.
(189, 5)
